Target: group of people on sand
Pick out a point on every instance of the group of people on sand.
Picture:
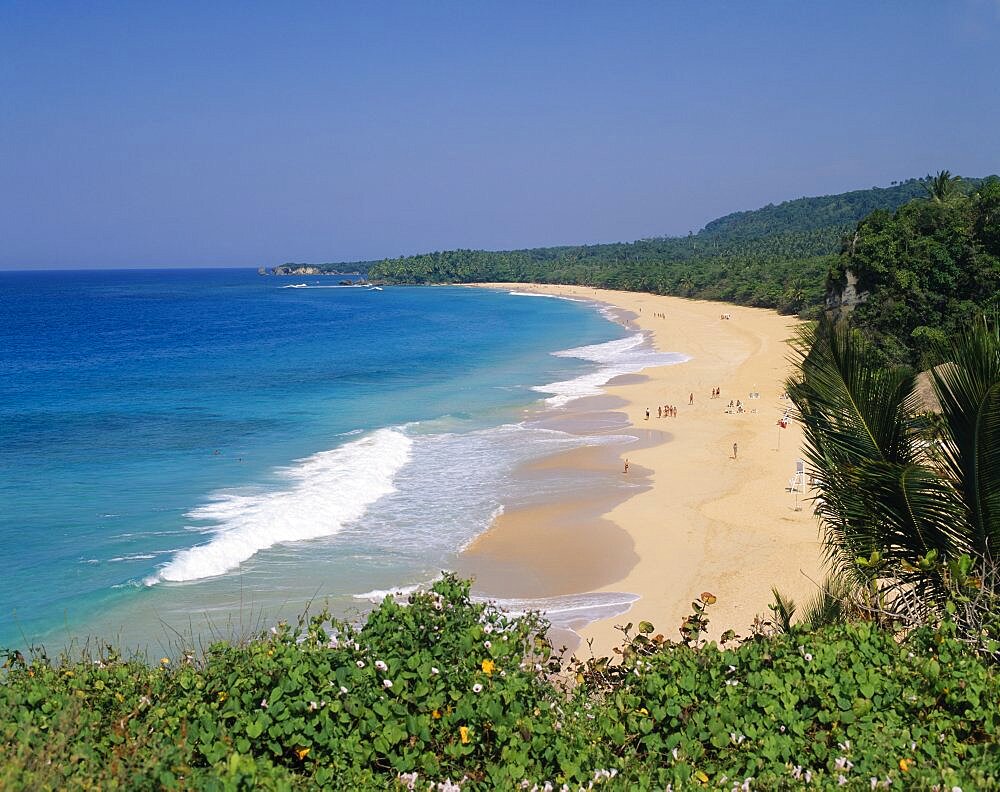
(666, 411)
(660, 315)
(716, 392)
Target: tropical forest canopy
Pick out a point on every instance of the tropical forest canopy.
(928, 268)
(775, 257)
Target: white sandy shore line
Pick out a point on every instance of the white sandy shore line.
(710, 522)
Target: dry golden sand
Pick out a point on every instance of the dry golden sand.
(704, 521)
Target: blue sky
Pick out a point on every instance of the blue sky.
(249, 134)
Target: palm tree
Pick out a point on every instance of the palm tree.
(902, 499)
(943, 187)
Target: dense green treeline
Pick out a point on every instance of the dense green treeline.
(774, 257)
(925, 270)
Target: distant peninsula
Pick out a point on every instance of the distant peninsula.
(355, 268)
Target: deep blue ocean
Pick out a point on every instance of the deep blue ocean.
(189, 447)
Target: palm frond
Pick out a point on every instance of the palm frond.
(783, 609)
(969, 392)
(832, 603)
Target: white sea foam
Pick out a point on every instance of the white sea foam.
(622, 356)
(551, 296)
(572, 610)
(325, 492)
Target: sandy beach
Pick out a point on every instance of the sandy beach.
(698, 519)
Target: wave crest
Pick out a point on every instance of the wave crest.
(622, 356)
(326, 491)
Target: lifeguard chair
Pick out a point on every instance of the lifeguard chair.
(797, 483)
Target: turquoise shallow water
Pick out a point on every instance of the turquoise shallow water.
(182, 448)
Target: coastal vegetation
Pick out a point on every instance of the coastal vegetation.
(786, 257)
(774, 257)
(909, 500)
(926, 269)
(440, 692)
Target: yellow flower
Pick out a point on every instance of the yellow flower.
(904, 765)
(701, 776)
(644, 711)
(165, 660)
(464, 733)
(223, 695)
(436, 714)
(488, 666)
(302, 753)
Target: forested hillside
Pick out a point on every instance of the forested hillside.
(928, 269)
(775, 257)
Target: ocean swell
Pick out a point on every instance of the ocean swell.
(326, 491)
(615, 358)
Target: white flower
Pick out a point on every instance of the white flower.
(808, 657)
(387, 683)
(343, 690)
(487, 644)
(333, 643)
(263, 703)
(487, 628)
(381, 666)
(360, 664)
(434, 670)
(313, 706)
(410, 779)
(477, 688)
(841, 780)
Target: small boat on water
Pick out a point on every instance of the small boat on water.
(296, 286)
(375, 288)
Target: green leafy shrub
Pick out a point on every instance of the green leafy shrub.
(440, 692)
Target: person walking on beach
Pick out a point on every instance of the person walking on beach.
(735, 449)
(647, 413)
(659, 412)
(626, 465)
(691, 399)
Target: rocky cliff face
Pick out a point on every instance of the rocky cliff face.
(299, 269)
(841, 300)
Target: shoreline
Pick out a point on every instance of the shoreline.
(697, 519)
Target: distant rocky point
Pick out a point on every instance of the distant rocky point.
(356, 268)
